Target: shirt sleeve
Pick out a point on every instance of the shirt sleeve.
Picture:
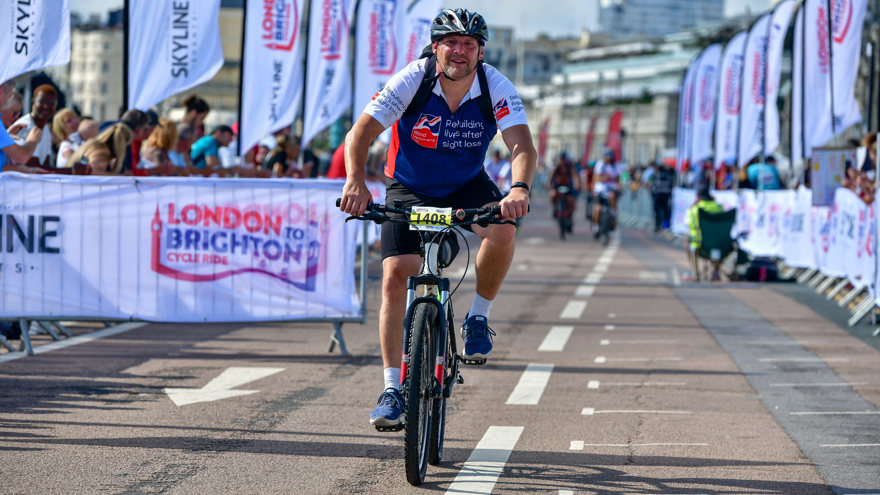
(388, 105)
(506, 102)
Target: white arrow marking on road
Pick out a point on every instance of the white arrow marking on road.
(220, 387)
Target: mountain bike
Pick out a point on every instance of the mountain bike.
(429, 368)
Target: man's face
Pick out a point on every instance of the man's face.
(223, 138)
(43, 107)
(458, 55)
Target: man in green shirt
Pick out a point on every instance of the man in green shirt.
(706, 202)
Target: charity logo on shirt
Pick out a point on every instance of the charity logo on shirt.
(501, 109)
(426, 132)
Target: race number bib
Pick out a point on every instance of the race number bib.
(430, 218)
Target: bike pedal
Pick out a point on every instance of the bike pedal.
(473, 362)
(390, 428)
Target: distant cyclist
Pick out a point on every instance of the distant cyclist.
(436, 159)
(606, 186)
(565, 176)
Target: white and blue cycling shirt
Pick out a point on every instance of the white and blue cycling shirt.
(5, 140)
(434, 151)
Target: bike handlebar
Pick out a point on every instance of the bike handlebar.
(483, 217)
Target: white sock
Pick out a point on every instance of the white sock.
(480, 307)
(392, 378)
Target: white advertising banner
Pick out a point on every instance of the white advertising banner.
(272, 83)
(729, 98)
(847, 20)
(762, 217)
(34, 35)
(817, 128)
(751, 124)
(414, 28)
(377, 49)
(686, 116)
(704, 103)
(797, 230)
(822, 237)
(778, 28)
(682, 199)
(173, 46)
(174, 249)
(850, 213)
(328, 89)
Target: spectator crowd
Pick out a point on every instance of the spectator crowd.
(47, 139)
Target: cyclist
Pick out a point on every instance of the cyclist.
(606, 187)
(436, 159)
(564, 174)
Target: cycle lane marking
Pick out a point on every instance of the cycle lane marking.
(531, 385)
(573, 310)
(486, 463)
(556, 339)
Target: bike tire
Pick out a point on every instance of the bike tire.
(438, 407)
(560, 218)
(418, 393)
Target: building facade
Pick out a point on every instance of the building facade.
(627, 18)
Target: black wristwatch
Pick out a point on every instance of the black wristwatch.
(520, 184)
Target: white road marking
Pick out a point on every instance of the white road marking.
(486, 463)
(610, 328)
(531, 385)
(835, 413)
(793, 385)
(593, 278)
(589, 411)
(601, 268)
(640, 342)
(636, 359)
(604, 342)
(221, 386)
(653, 276)
(676, 277)
(600, 360)
(612, 315)
(566, 492)
(556, 339)
(645, 384)
(580, 445)
(803, 360)
(853, 445)
(593, 384)
(585, 291)
(79, 339)
(573, 310)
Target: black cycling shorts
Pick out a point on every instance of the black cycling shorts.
(398, 239)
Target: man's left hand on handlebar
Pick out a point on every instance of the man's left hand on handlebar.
(515, 204)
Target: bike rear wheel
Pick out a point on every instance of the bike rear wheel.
(420, 382)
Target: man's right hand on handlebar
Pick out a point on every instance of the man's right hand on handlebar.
(355, 198)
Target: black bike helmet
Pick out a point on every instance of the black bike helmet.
(459, 21)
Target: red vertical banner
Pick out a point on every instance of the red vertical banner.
(588, 141)
(542, 142)
(614, 140)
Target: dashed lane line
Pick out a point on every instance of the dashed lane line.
(580, 445)
(589, 411)
(486, 463)
(573, 310)
(556, 339)
(531, 385)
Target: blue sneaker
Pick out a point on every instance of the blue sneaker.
(388, 415)
(477, 338)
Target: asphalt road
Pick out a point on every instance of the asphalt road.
(609, 375)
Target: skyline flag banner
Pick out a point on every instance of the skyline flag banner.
(798, 153)
(376, 49)
(414, 28)
(272, 79)
(36, 35)
(328, 89)
(813, 56)
(751, 124)
(729, 101)
(847, 20)
(685, 116)
(778, 28)
(614, 140)
(588, 141)
(173, 46)
(704, 106)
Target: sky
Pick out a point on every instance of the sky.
(527, 17)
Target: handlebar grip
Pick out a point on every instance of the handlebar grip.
(338, 202)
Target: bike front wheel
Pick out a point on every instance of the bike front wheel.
(419, 403)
